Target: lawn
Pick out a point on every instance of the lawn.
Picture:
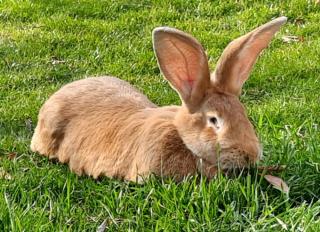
(45, 44)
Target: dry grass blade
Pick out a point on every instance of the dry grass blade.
(12, 156)
(292, 39)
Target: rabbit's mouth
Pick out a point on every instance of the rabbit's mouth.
(227, 165)
(236, 159)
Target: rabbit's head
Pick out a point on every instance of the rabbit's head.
(212, 122)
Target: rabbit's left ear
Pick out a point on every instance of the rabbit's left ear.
(184, 64)
(237, 60)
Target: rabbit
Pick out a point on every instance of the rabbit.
(103, 126)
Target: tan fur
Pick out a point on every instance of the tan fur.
(101, 130)
(104, 126)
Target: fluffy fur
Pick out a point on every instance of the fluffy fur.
(104, 126)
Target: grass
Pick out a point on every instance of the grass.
(45, 44)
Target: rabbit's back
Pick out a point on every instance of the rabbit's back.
(105, 90)
(82, 119)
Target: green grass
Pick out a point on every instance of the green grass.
(45, 44)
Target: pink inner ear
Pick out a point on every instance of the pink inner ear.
(190, 81)
(181, 85)
(182, 66)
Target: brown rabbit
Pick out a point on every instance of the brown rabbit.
(104, 126)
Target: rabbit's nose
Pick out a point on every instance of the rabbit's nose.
(253, 157)
(250, 155)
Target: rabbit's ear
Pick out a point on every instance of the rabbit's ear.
(184, 64)
(240, 55)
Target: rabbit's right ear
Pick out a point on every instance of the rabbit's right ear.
(237, 60)
(184, 64)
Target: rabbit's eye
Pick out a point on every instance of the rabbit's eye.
(213, 120)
